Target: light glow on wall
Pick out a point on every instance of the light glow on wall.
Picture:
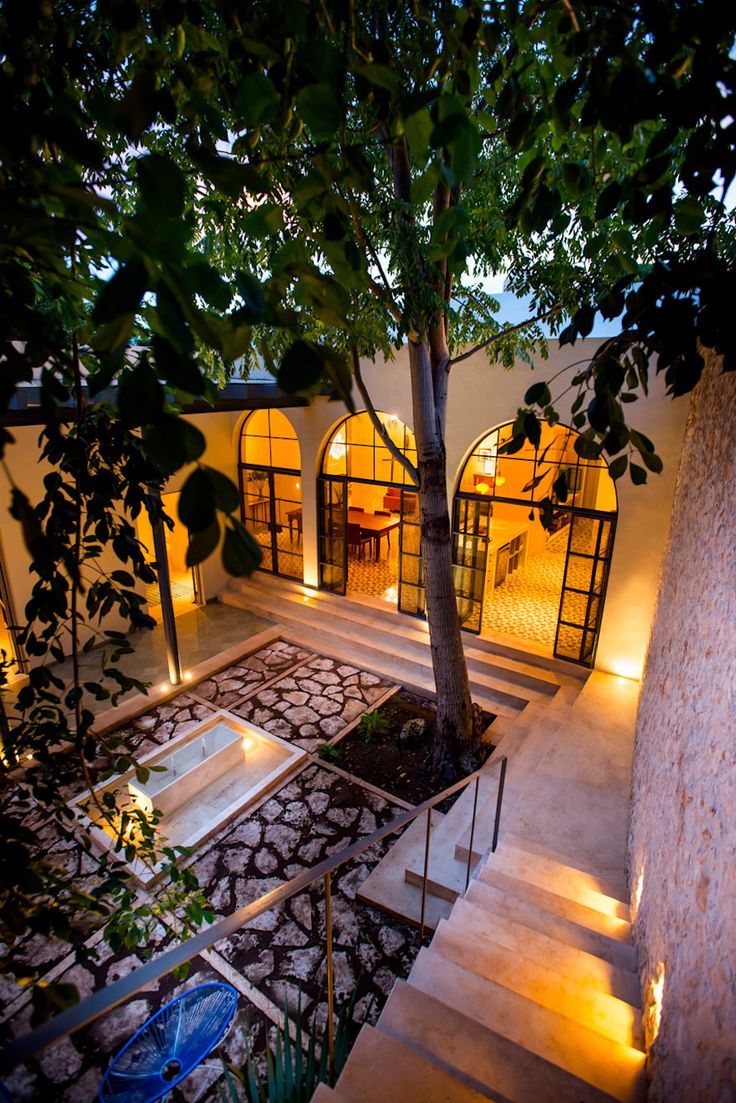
(653, 1005)
(636, 894)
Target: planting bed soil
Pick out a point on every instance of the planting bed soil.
(397, 758)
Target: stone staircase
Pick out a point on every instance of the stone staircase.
(504, 680)
(527, 994)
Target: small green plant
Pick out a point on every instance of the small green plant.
(293, 1071)
(329, 752)
(373, 725)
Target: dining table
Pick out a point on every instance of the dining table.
(377, 525)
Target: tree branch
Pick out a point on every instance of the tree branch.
(378, 425)
(498, 336)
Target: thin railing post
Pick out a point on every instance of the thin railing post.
(426, 872)
(472, 833)
(330, 975)
(499, 798)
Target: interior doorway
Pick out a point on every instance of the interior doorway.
(186, 589)
(271, 490)
(10, 651)
(542, 587)
(366, 506)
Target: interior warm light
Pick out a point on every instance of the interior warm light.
(188, 676)
(29, 757)
(298, 486)
(500, 480)
(482, 488)
(653, 1005)
(247, 742)
(636, 894)
(164, 686)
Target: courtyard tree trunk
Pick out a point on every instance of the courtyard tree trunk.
(454, 725)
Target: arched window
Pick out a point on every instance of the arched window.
(513, 576)
(270, 485)
(369, 513)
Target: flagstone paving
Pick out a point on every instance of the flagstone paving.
(305, 698)
(311, 704)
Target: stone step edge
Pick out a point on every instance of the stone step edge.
(448, 939)
(487, 695)
(469, 913)
(547, 870)
(556, 903)
(622, 955)
(555, 1028)
(290, 611)
(525, 675)
(556, 1084)
(501, 649)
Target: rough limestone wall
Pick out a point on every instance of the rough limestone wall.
(683, 815)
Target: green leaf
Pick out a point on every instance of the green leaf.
(240, 552)
(197, 509)
(301, 367)
(227, 495)
(173, 442)
(653, 462)
(532, 429)
(123, 293)
(417, 128)
(321, 110)
(140, 396)
(587, 448)
(617, 467)
(538, 395)
(161, 185)
(202, 544)
(257, 100)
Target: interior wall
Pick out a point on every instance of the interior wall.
(682, 843)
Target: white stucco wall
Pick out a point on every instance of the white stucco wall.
(481, 396)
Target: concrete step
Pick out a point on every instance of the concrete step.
(532, 677)
(585, 969)
(450, 847)
(618, 888)
(609, 1066)
(503, 650)
(513, 670)
(478, 1054)
(581, 1002)
(325, 1094)
(554, 876)
(549, 900)
(499, 902)
(383, 1068)
(339, 638)
(385, 886)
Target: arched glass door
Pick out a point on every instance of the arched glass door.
(512, 576)
(270, 489)
(369, 515)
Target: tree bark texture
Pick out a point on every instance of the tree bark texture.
(454, 726)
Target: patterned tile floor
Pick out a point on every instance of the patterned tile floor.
(526, 604)
(305, 697)
(376, 577)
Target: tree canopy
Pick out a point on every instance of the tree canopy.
(185, 186)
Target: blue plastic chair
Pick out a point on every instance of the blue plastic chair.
(170, 1045)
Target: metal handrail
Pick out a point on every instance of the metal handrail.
(104, 1000)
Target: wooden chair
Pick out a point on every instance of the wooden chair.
(357, 539)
